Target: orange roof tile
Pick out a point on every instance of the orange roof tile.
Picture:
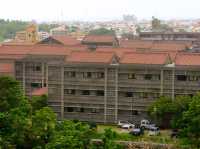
(118, 51)
(67, 40)
(49, 50)
(144, 58)
(40, 91)
(99, 38)
(90, 57)
(136, 44)
(188, 59)
(6, 67)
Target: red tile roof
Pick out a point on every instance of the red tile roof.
(188, 59)
(144, 58)
(6, 67)
(139, 44)
(67, 40)
(90, 57)
(40, 91)
(49, 50)
(155, 45)
(22, 51)
(99, 39)
(118, 51)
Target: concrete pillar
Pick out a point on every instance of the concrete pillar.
(47, 76)
(173, 82)
(161, 82)
(116, 95)
(105, 93)
(62, 92)
(43, 74)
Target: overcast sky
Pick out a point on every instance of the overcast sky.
(97, 10)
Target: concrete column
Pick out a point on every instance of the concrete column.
(116, 95)
(161, 82)
(173, 82)
(47, 76)
(62, 92)
(43, 74)
(105, 93)
(24, 78)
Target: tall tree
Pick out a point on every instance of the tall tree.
(10, 93)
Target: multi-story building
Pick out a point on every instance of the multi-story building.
(103, 85)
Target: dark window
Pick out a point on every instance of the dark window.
(80, 110)
(94, 110)
(70, 91)
(100, 75)
(88, 75)
(86, 92)
(131, 76)
(134, 112)
(69, 109)
(72, 74)
(38, 68)
(148, 76)
(100, 93)
(128, 94)
(36, 85)
(181, 77)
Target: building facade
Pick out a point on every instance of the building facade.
(101, 86)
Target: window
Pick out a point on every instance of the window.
(94, 110)
(86, 92)
(128, 94)
(134, 112)
(69, 109)
(70, 91)
(131, 76)
(38, 68)
(144, 95)
(36, 85)
(80, 110)
(192, 78)
(87, 75)
(100, 93)
(181, 77)
(148, 76)
(72, 74)
(100, 75)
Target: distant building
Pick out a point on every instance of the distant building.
(129, 18)
(29, 35)
(94, 41)
(42, 35)
(178, 36)
(59, 31)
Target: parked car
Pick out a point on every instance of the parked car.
(121, 123)
(174, 133)
(137, 131)
(128, 126)
(145, 124)
(153, 131)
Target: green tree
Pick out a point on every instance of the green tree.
(161, 110)
(189, 123)
(10, 93)
(38, 102)
(43, 126)
(70, 135)
(102, 31)
(9, 28)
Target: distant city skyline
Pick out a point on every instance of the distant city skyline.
(97, 10)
